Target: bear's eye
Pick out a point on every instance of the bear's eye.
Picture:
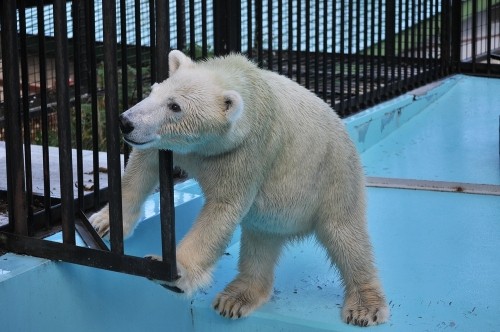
(174, 107)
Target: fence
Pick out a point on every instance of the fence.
(68, 55)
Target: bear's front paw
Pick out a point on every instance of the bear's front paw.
(365, 307)
(100, 222)
(190, 279)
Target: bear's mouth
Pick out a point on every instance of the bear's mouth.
(137, 144)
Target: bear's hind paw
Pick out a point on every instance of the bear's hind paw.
(365, 309)
(237, 303)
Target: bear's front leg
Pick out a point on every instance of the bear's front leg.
(254, 283)
(138, 181)
(205, 243)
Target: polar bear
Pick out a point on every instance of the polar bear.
(271, 157)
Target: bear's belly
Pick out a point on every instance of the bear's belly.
(288, 216)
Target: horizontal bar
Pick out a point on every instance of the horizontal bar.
(107, 260)
(444, 186)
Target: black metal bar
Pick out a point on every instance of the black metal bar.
(280, 36)
(308, 45)
(64, 122)
(204, 25)
(167, 210)
(290, 40)
(456, 18)
(78, 105)
(269, 35)
(325, 69)
(152, 39)
(489, 36)
(180, 11)
(259, 31)
(111, 261)
(365, 99)
(341, 109)
(123, 50)
(333, 72)
(16, 199)
(112, 134)
(390, 43)
(124, 66)
(357, 99)
(192, 35)
(26, 113)
(92, 81)
(227, 27)
(299, 42)
(44, 112)
(138, 50)
(349, 77)
(249, 27)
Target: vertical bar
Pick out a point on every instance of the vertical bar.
(456, 34)
(45, 126)
(390, 42)
(357, 102)
(78, 107)
(308, 44)
(407, 41)
(180, 10)
(204, 41)
(372, 52)
(270, 34)
(63, 120)
(123, 51)
(152, 39)
(488, 37)
(192, 41)
(299, 41)
(316, 46)
(227, 27)
(290, 39)
(90, 37)
(124, 65)
(26, 114)
(365, 53)
(138, 50)
(325, 53)
(333, 73)
(350, 37)
(249, 27)
(112, 134)
(342, 107)
(16, 199)
(167, 211)
(259, 31)
(280, 36)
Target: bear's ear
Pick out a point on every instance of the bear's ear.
(233, 105)
(176, 59)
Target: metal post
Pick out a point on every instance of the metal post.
(112, 134)
(15, 169)
(227, 26)
(167, 209)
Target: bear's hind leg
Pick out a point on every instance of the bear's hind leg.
(253, 285)
(349, 248)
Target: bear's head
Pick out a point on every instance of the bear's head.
(188, 112)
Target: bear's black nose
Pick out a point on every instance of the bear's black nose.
(126, 125)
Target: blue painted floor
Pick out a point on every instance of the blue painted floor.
(456, 138)
(438, 253)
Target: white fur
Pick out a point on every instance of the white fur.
(270, 156)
